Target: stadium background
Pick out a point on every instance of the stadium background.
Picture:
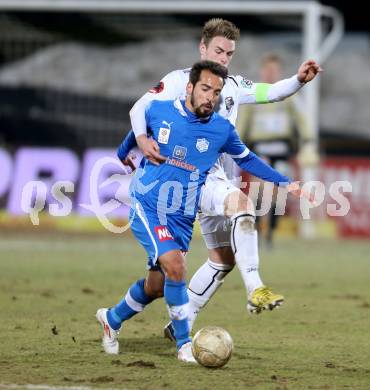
(71, 85)
(67, 81)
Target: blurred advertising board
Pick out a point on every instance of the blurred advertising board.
(58, 183)
(356, 223)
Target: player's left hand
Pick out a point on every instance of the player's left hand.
(295, 189)
(308, 71)
(129, 161)
(150, 149)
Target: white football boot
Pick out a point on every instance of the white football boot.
(110, 342)
(185, 354)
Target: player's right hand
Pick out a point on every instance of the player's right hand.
(150, 149)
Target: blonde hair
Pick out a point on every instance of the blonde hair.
(218, 27)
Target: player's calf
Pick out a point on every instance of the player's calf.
(175, 294)
(203, 285)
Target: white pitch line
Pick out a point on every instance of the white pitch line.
(47, 387)
(41, 387)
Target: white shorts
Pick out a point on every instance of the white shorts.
(214, 225)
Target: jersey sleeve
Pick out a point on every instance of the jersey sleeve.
(261, 93)
(127, 144)
(169, 88)
(250, 162)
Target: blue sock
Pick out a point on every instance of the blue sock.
(176, 296)
(134, 302)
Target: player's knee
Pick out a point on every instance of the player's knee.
(177, 274)
(223, 256)
(246, 222)
(229, 265)
(176, 271)
(245, 205)
(174, 266)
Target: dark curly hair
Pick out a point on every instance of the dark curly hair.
(213, 67)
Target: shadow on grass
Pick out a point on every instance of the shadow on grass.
(156, 346)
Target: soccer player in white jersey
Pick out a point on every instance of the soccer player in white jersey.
(227, 215)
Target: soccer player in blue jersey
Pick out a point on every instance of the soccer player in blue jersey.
(165, 197)
(227, 215)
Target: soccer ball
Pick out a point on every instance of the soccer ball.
(212, 346)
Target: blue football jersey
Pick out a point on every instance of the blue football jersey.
(192, 146)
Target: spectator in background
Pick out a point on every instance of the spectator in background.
(277, 132)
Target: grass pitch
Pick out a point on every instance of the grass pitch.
(51, 287)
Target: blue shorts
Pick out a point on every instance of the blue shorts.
(157, 238)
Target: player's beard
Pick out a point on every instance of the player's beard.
(198, 110)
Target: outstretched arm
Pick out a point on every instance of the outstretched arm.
(262, 93)
(285, 88)
(253, 164)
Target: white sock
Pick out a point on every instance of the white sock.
(244, 241)
(204, 283)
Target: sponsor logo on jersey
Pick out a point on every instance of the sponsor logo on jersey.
(181, 164)
(202, 145)
(163, 233)
(245, 83)
(157, 88)
(179, 152)
(229, 103)
(164, 133)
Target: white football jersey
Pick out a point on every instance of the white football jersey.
(237, 90)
